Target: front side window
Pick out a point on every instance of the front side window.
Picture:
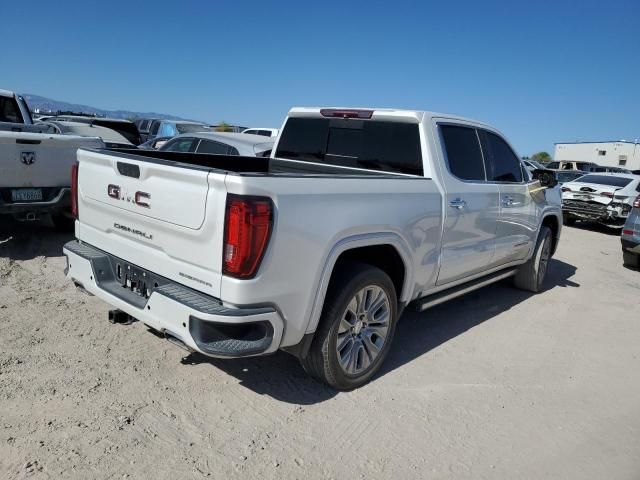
(553, 165)
(503, 165)
(463, 152)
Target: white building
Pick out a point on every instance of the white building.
(609, 154)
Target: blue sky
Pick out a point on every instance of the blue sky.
(542, 72)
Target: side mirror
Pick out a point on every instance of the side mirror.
(547, 178)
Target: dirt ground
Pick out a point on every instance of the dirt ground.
(499, 384)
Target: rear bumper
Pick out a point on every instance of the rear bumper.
(54, 199)
(199, 321)
(630, 245)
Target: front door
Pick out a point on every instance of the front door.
(518, 222)
(471, 205)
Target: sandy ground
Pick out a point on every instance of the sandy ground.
(500, 384)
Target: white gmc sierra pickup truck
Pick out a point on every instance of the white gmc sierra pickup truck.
(318, 249)
(35, 164)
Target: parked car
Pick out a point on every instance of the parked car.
(154, 144)
(532, 165)
(571, 165)
(630, 237)
(35, 168)
(318, 249)
(125, 128)
(220, 143)
(111, 138)
(171, 128)
(605, 198)
(143, 125)
(266, 132)
(564, 176)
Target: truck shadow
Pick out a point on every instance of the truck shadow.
(24, 241)
(281, 377)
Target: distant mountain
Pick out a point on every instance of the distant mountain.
(45, 105)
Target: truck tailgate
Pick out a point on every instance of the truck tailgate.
(39, 160)
(152, 214)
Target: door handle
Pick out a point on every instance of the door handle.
(507, 201)
(458, 203)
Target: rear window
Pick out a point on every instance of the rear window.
(370, 144)
(606, 180)
(190, 128)
(9, 111)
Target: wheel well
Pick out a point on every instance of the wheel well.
(385, 257)
(552, 222)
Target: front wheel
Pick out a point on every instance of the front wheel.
(356, 328)
(531, 275)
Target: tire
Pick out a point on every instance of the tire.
(531, 275)
(364, 336)
(630, 259)
(568, 220)
(63, 223)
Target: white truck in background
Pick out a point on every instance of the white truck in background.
(35, 165)
(318, 249)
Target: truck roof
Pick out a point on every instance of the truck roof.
(413, 116)
(6, 93)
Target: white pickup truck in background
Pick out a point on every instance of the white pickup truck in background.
(317, 250)
(35, 165)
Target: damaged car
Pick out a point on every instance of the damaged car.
(604, 198)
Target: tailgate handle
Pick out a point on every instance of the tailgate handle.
(129, 170)
(28, 141)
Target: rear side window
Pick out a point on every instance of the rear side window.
(463, 152)
(180, 145)
(370, 144)
(553, 165)
(9, 111)
(209, 146)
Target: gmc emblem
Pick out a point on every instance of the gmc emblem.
(140, 198)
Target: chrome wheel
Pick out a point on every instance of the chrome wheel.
(363, 329)
(543, 263)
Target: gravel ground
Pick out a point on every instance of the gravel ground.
(499, 384)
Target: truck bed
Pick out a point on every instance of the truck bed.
(244, 165)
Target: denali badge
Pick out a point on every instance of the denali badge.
(133, 230)
(28, 158)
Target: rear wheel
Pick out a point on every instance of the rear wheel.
(531, 275)
(631, 259)
(356, 328)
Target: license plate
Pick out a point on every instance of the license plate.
(26, 195)
(584, 197)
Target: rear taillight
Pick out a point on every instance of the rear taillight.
(636, 202)
(627, 232)
(248, 223)
(565, 189)
(74, 190)
(342, 113)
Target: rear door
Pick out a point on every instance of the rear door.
(471, 205)
(518, 222)
(152, 214)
